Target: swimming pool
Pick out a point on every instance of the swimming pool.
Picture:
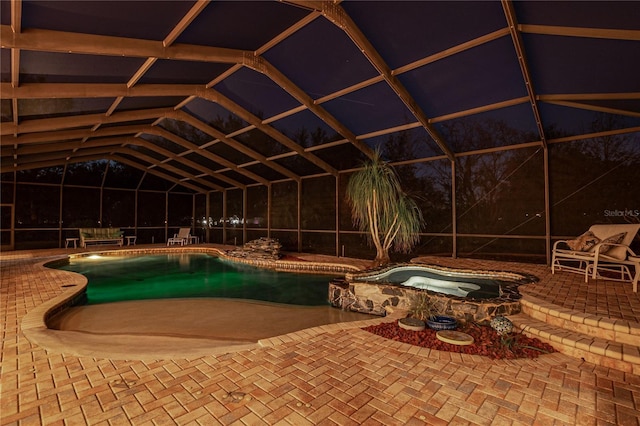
(115, 278)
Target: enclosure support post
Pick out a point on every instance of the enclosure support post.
(60, 209)
(166, 216)
(137, 204)
(12, 238)
(269, 192)
(244, 215)
(224, 217)
(454, 224)
(11, 204)
(104, 179)
(135, 212)
(207, 214)
(10, 244)
(547, 208)
(299, 216)
(338, 215)
(193, 215)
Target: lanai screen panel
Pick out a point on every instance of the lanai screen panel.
(46, 175)
(81, 207)
(484, 75)
(257, 207)
(320, 59)
(240, 25)
(228, 153)
(265, 171)
(90, 173)
(6, 110)
(5, 66)
(405, 145)
(411, 30)
(37, 206)
(215, 115)
(370, 109)
(127, 19)
(121, 175)
(185, 131)
(148, 102)
(182, 72)
(118, 208)
(306, 129)
(57, 67)
(256, 93)
(41, 108)
(342, 157)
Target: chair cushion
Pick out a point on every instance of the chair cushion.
(608, 248)
(102, 232)
(584, 242)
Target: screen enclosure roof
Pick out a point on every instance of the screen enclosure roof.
(213, 95)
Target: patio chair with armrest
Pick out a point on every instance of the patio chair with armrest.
(604, 248)
(182, 237)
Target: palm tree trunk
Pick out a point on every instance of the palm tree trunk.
(382, 258)
(382, 253)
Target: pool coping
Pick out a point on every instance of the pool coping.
(34, 323)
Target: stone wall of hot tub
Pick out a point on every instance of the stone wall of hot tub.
(380, 299)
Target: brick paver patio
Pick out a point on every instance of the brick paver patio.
(325, 376)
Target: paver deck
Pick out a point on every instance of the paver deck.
(328, 375)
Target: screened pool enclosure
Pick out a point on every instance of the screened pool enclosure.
(512, 124)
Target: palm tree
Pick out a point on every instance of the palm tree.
(380, 207)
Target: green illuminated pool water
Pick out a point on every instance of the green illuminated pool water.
(119, 278)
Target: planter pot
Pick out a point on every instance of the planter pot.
(442, 322)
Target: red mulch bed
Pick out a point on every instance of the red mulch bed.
(486, 341)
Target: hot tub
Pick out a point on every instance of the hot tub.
(468, 295)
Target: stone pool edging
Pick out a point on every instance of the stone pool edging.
(377, 298)
(295, 266)
(278, 265)
(34, 323)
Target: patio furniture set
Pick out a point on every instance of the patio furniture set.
(601, 252)
(116, 236)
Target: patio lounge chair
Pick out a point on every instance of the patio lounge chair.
(182, 237)
(603, 248)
